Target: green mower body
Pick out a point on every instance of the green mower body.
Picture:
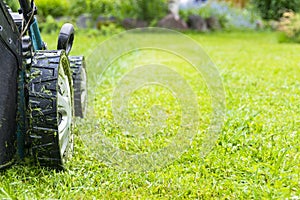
(38, 97)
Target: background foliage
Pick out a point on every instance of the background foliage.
(273, 9)
(243, 17)
(78, 7)
(143, 9)
(149, 10)
(56, 8)
(103, 7)
(139, 9)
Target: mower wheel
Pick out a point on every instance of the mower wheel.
(78, 69)
(51, 108)
(66, 38)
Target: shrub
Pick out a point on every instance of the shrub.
(273, 9)
(78, 7)
(102, 7)
(139, 9)
(125, 9)
(151, 10)
(49, 26)
(289, 25)
(142, 9)
(56, 8)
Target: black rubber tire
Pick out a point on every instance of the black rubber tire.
(45, 89)
(79, 75)
(66, 38)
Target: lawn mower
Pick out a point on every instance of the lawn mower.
(41, 91)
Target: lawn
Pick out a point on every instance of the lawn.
(257, 154)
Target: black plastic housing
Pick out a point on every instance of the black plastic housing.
(10, 62)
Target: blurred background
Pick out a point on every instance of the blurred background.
(111, 16)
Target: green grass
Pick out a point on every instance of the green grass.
(256, 156)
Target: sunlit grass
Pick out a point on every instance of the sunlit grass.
(256, 156)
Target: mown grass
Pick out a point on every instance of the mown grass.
(256, 156)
